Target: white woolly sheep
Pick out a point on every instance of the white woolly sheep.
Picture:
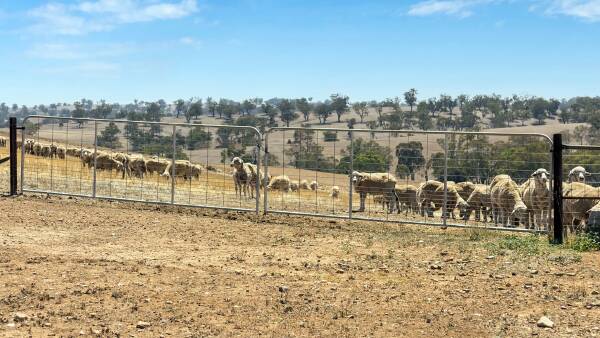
(537, 196)
(508, 207)
(375, 184)
(576, 211)
(578, 174)
(281, 182)
(479, 201)
(335, 192)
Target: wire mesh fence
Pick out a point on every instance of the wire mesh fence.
(581, 190)
(183, 164)
(435, 178)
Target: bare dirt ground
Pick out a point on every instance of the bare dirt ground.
(90, 268)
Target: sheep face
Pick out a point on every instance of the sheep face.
(578, 174)
(541, 176)
(237, 163)
(356, 177)
(519, 211)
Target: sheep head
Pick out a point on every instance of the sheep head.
(356, 177)
(541, 175)
(237, 163)
(519, 210)
(578, 174)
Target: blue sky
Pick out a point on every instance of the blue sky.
(120, 50)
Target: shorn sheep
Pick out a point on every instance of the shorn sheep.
(578, 174)
(537, 197)
(241, 176)
(375, 184)
(508, 207)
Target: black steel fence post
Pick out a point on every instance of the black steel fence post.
(557, 164)
(13, 155)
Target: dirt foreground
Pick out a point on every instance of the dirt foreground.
(89, 268)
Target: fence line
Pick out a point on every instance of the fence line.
(330, 158)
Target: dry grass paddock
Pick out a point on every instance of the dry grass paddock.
(79, 267)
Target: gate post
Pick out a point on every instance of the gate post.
(351, 175)
(557, 164)
(13, 155)
(94, 178)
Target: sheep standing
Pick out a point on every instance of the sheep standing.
(183, 168)
(508, 207)
(314, 185)
(431, 198)
(136, 166)
(576, 211)
(155, 165)
(578, 174)
(537, 196)
(256, 176)
(465, 189)
(375, 184)
(335, 192)
(480, 201)
(3, 141)
(406, 198)
(241, 177)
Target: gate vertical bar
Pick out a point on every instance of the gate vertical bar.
(258, 178)
(13, 155)
(445, 206)
(173, 178)
(22, 155)
(266, 174)
(95, 158)
(351, 176)
(557, 164)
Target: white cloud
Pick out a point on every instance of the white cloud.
(190, 41)
(94, 16)
(75, 51)
(128, 11)
(459, 8)
(584, 9)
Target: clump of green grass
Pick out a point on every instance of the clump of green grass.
(530, 245)
(584, 243)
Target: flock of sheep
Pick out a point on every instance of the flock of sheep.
(127, 165)
(504, 201)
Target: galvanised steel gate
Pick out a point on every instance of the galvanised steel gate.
(154, 162)
(426, 177)
(434, 173)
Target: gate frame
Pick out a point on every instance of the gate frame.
(257, 133)
(350, 216)
(559, 197)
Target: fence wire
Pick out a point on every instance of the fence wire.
(182, 164)
(434, 178)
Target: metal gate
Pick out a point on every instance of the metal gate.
(154, 162)
(576, 189)
(324, 166)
